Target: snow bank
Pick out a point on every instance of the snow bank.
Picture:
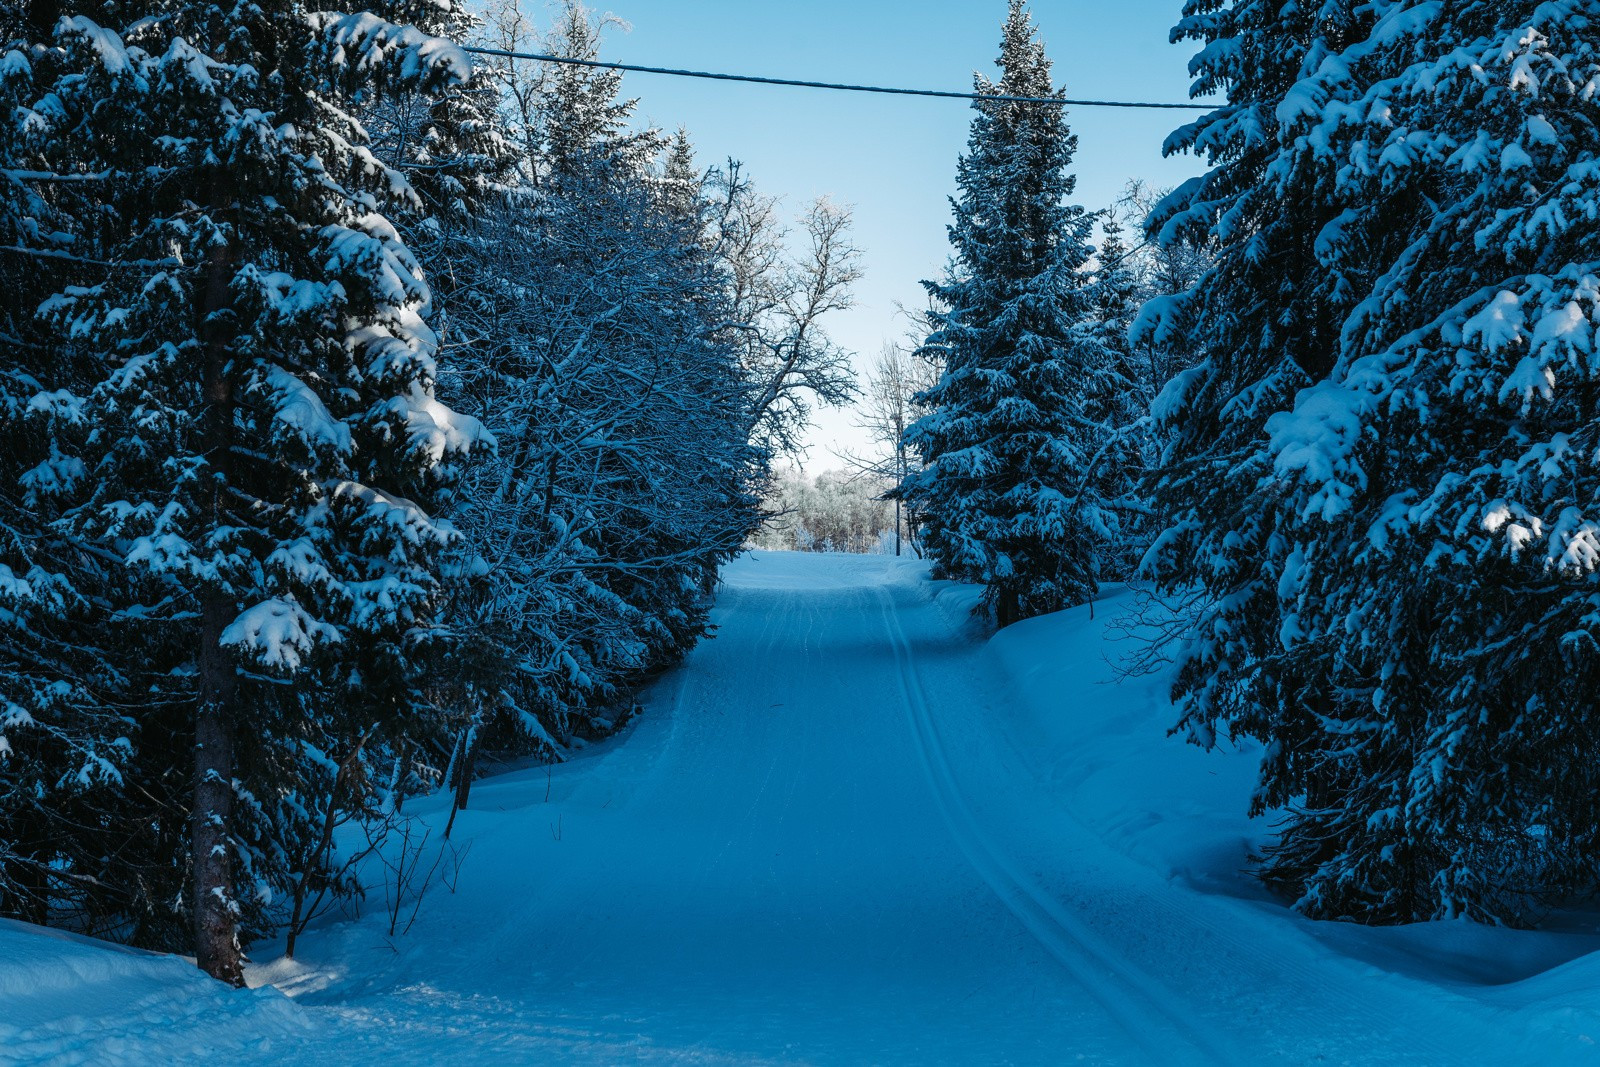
(70, 999)
(1104, 742)
(858, 826)
(1180, 811)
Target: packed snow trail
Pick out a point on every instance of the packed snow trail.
(760, 871)
(851, 829)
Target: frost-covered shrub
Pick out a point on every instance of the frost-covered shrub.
(834, 511)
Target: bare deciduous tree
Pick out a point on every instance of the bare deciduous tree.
(887, 406)
(779, 299)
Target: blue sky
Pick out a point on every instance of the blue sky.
(893, 159)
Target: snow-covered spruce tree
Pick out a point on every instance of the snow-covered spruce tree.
(63, 731)
(682, 183)
(1382, 471)
(460, 158)
(581, 109)
(1118, 399)
(262, 441)
(1007, 494)
(453, 146)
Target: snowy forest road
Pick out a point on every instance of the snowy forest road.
(825, 841)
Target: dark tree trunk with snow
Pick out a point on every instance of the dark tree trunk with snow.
(1006, 610)
(217, 948)
(215, 914)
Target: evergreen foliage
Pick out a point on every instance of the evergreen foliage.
(1117, 400)
(591, 343)
(251, 442)
(369, 410)
(1380, 472)
(1008, 493)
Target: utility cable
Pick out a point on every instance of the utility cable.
(836, 86)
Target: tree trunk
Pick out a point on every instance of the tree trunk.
(900, 477)
(215, 911)
(463, 762)
(216, 916)
(1007, 608)
(30, 896)
(468, 769)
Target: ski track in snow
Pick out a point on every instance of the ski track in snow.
(1130, 997)
(849, 830)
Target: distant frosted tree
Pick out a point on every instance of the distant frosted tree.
(1006, 494)
(581, 110)
(682, 183)
(833, 511)
(1382, 471)
(887, 408)
(1161, 269)
(1118, 400)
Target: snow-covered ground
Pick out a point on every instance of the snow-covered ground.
(852, 828)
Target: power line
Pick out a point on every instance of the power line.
(837, 86)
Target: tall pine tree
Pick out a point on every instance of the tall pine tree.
(1119, 401)
(255, 444)
(1007, 495)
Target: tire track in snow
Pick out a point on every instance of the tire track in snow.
(1133, 1000)
(766, 646)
